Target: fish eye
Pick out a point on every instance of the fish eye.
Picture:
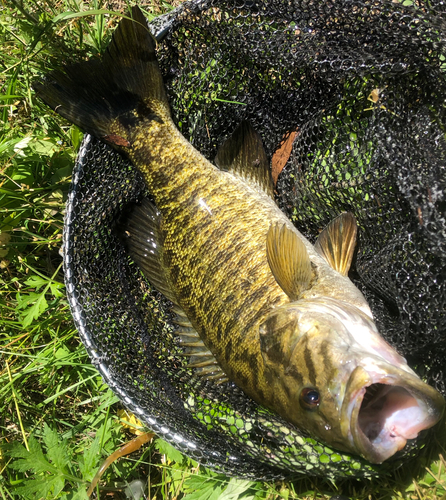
(309, 398)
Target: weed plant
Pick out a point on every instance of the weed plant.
(58, 421)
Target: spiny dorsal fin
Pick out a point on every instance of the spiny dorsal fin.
(288, 259)
(336, 244)
(145, 245)
(243, 154)
(200, 357)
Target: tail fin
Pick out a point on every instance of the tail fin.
(104, 96)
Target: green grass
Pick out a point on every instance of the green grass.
(57, 419)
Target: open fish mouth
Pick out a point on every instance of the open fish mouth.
(387, 411)
(390, 413)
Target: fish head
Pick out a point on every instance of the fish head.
(336, 378)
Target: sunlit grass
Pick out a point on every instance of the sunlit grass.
(51, 396)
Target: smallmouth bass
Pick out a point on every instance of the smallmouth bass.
(256, 302)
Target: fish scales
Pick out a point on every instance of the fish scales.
(214, 249)
(280, 315)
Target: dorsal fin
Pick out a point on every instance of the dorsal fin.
(336, 244)
(288, 259)
(243, 154)
(145, 245)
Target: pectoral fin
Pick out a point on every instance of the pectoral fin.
(288, 259)
(336, 244)
(243, 154)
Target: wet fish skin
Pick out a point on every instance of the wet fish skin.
(293, 357)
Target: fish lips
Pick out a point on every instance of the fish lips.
(384, 407)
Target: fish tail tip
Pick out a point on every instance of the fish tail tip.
(93, 93)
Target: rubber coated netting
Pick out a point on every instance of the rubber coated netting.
(358, 90)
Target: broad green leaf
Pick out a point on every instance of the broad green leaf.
(21, 175)
(81, 494)
(25, 299)
(56, 448)
(76, 137)
(236, 488)
(204, 487)
(34, 311)
(88, 465)
(7, 146)
(58, 484)
(43, 147)
(167, 449)
(64, 167)
(43, 488)
(60, 353)
(33, 459)
(105, 432)
(36, 282)
(56, 289)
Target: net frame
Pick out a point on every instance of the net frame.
(177, 419)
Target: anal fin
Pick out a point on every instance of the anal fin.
(145, 245)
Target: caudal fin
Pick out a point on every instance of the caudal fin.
(106, 96)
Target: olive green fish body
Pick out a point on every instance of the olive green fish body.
(279, 315)
(214, 230)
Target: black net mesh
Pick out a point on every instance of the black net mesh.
(361, 87)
